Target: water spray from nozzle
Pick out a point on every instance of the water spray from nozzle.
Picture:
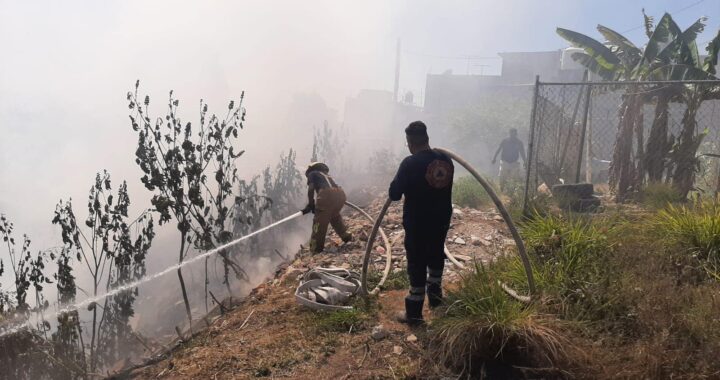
(90, 302)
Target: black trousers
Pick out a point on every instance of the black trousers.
(425, 249)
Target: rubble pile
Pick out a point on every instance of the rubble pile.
(474, 235)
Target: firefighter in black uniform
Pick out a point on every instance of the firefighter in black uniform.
(425, 179)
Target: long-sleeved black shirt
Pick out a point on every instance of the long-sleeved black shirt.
(511, 149)
(425, 178)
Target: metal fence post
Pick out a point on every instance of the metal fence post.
(582, 132)
(531, 144)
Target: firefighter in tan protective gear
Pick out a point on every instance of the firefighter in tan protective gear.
(326, 206)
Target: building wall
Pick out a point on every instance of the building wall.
(445, 92)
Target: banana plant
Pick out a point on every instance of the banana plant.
(670, 54)
(685, 65)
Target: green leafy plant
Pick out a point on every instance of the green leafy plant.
(283, 187)
(27, 270)
(177, 161)
(112, 256)
(669, 54)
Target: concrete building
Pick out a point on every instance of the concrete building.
(446, 91)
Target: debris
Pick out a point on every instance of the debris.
(411, 338)
(379, 332)
(457, 212)
(247, 319)
(459, 240)
(397, 350)
(292, 274)
(462, 257)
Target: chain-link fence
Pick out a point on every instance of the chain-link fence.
(625, 134)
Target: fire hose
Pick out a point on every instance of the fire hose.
(333, 285)
(500, 207)
(366, 259)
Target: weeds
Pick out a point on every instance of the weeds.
(569, 259)
(538, 204)
(397, 281)
(483, 326)
(611, 278)
(659, 195)
(339, 321)
(694, 231)
(467, 192)
(344, 321)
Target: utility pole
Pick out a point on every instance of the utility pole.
(397, 71)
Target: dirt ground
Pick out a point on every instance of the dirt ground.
(270, 335)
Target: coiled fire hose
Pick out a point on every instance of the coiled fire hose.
(323, 288)
(366, 259)
(500, 207)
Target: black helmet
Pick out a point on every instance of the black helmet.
(317, 166)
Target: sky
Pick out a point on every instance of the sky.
(66, 67)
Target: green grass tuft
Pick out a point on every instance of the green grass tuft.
(397, 281)
(339, 321)
(659, 195)
(695, 232)
(483, 324)
(343, 321)
(569, 257)
(467, 192)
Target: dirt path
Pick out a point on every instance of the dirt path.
(270, 335)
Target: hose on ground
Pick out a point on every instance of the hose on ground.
(368, 249)
(500, 207)
(453, 259)
(366, 259)
(503, 211)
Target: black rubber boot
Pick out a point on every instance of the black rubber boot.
(434, 294)
(413, 313)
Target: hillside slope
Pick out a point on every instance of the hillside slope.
(270, 335)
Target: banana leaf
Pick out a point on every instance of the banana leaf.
(665, 32)
(594, 67)
(711, 61)
(680, 72)
(595, 49)
(625, 50)
(683, 49)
